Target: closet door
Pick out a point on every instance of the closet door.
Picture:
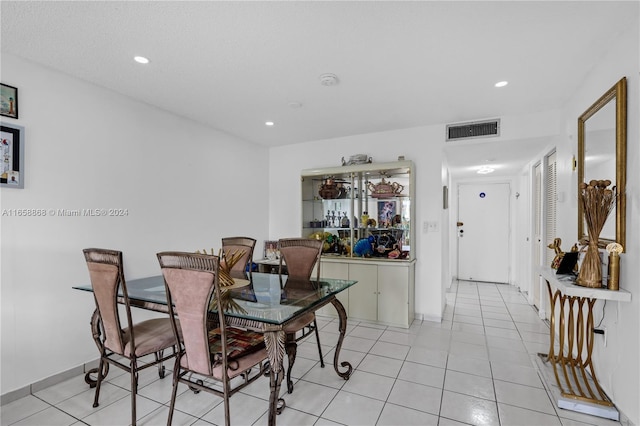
(551, 197)
(550, 201)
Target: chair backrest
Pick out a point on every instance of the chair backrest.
(107, 277)
(300, 256)
(246, 244)
(190, 280)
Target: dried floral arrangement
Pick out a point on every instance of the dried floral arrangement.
(597, 201)
(227, 261)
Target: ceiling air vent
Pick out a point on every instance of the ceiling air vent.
(476, 129)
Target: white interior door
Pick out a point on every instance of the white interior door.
(483, 232)
(550, 199)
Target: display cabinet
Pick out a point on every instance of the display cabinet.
(364, 213)
(361, 211)
(384, 293)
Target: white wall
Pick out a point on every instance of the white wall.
(185, 186)
(617, 365)
(422, 145)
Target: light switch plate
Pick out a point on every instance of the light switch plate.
(430, 226)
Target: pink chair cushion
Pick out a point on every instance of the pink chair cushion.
(150, 336)
(241, 365)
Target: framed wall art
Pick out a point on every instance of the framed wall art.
(12, 156)
(386, 213)
(8, 101)
(271, 251)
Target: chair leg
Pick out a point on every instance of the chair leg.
(315, 327)
(174, 392)
(227, 413)
(98, 383)
(161, 369)
(134, 391)
(292, 348)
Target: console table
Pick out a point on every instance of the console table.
(571, 310)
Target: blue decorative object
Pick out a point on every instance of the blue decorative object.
(363, 247)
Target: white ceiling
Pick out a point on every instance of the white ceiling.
(234, 65)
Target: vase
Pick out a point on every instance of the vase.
(590, 274)
(597, 202)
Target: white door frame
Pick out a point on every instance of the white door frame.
(535, 251)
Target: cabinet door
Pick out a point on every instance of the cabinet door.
(393, 296)
(363, 296)
(339, 271)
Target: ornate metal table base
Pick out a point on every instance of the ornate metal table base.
(573, 364)
(274, 338)
(342, 327)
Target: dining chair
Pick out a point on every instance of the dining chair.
(230, 245)
(300, 255)
(123, 344)
(221, 353)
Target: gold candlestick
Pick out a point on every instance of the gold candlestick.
(614, 271)
(613, 281)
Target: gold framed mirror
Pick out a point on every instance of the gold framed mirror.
(602, 154)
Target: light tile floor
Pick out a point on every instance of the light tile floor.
(477, 367)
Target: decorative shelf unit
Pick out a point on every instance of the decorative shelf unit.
(379, 254)
(571, 356)
(336, 200)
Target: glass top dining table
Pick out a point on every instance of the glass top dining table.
(268, 303)
(268, 298)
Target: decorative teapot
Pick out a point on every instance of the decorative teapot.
(385, 189)
(331, 189)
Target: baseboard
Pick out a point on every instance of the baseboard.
(15, 395)
(46, 382)
(430, 318)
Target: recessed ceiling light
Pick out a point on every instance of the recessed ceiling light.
(501, 83)
(269, 123)
(141, 59)
(485, 170)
